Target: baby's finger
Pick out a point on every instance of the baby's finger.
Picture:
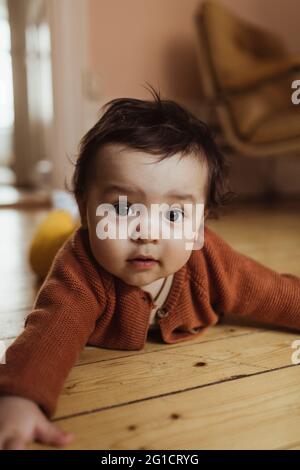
(48, 433)
(14, 443)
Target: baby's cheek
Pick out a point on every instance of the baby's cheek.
(176, 253)
(111, 253)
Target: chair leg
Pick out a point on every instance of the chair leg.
(270, 192)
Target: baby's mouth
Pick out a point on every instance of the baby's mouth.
(143, 262)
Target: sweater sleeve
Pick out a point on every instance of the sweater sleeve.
(63, 317)
(240, 285)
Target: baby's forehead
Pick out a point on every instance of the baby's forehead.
(117, 164)
(117, 157)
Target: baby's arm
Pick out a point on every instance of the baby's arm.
(240, 285)
(64, 315)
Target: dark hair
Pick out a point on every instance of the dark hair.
(159, 127)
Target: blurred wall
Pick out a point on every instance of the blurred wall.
(116, 46)
(134, 41)
(137, 40)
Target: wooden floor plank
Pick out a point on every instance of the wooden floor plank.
(155, 344)
(18, 283)
(256, 412)
(268, 233)
(115, 381)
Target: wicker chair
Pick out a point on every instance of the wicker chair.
(247, 76)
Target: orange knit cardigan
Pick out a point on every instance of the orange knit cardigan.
(81, 303)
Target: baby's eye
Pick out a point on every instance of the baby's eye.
(123, 209)
(175, 215)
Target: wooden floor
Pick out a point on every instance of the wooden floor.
(233, 388)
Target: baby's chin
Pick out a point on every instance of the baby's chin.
(139, 279)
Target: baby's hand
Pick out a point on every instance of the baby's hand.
(22, 422)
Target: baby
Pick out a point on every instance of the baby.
(108, 290)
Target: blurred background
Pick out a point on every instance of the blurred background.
(231, 62)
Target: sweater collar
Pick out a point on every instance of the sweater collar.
(174, 292)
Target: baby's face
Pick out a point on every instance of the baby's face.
(122, 171)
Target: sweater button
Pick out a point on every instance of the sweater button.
(162, 312)
(147, 297)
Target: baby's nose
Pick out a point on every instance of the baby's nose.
(146, 231)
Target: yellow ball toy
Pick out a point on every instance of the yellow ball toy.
(49, 236)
